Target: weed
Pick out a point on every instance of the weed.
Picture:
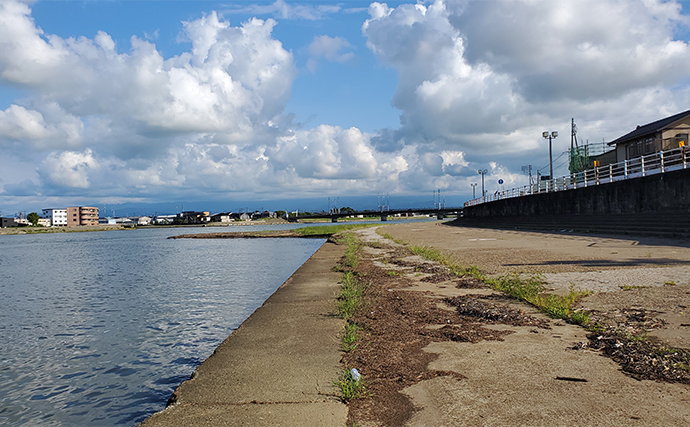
(351, 257)
(389, 237)
(350, 337)
(350, 297)
(394, 273)
(329, 230)
(580, 317)
(375, 244)
(631, 287)
(531, 290)
(670, 283)
(349, 387)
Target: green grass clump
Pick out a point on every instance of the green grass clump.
(524, 289)
(350, 337)
(530, 289)
(329, 230)
(431, 254)
(349, 387)
(351, 257)
(350, 298)
(389, 237)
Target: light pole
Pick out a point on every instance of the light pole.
(482, 173)
(474, 185)
(550, 136)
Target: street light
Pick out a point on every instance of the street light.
(482, 173)
(550, 136)
(474, 185)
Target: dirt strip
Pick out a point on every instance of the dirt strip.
(443, 351)
(278, 368)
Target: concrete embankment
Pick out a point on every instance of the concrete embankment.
(278, 368)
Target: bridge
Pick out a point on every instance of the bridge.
(334, 216)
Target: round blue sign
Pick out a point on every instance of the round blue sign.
(500, 181)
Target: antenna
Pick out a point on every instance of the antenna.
(528, 169)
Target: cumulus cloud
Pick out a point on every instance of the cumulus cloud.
(481, 79)
(329, 48)
(69, 169)
(477, 85)
(234, 80)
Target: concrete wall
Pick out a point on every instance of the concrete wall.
(657, 193)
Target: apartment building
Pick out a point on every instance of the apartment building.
(82, 215)
(57, 217)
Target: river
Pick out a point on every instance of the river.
(99, 328)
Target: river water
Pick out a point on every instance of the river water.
(99, 328)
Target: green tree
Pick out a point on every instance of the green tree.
(33, 218)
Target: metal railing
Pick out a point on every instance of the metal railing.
(661, 162)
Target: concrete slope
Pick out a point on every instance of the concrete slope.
(278, 368)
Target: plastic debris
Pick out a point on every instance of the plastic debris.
(355, 374)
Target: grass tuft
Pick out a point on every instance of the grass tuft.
(329, 230)
(350, 337)
(350, 298)
(349, 387)
(389, 237)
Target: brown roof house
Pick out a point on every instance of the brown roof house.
(661, 135)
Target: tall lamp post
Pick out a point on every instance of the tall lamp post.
(474, 185)
(482, 173)
(550, 136)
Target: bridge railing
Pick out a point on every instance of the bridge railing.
(661, 162)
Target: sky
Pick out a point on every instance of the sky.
(142, 104)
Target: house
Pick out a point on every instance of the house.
(661, 135)
(57, 217)
(223, 217)
(193, 217)
(144, 220)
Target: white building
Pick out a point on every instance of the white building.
(57, 217)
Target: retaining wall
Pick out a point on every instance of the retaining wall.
(667, 192)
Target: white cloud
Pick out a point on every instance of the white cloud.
(69, 169)
(329, 48)
(477, 84)
(284, 10)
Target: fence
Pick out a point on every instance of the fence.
(663, 161)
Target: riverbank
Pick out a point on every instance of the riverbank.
(438, 349)
(443, 349)
(278, 367)
(9, 231)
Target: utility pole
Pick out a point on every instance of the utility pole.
(474, 185)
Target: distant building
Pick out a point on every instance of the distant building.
(82, 215)
(144, 220)
(44, 222)
(57, 217)
(222, 217)
(193, 217)
(8, 222)
(661, 135)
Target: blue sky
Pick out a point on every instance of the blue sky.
(139, 103)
